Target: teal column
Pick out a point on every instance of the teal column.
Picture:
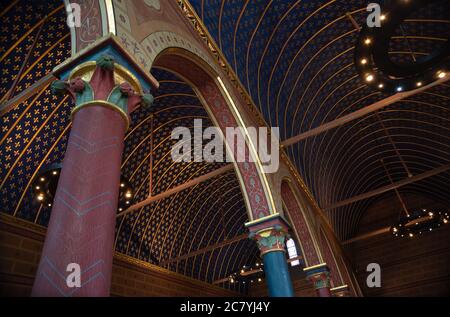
(270, 236)
(278, 279)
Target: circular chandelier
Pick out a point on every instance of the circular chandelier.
(378, 70)
(126, 194)
(46, 181)
(248, 274)
(419, 222)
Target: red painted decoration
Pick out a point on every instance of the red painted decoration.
(301, 227)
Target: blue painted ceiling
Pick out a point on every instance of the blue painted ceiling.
(295, 58)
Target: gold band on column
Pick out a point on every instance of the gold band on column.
(105, 104)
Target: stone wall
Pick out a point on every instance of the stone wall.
(20, 249)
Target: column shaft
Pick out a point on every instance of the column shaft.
(278, 279)
(81, 227)
(323, 292)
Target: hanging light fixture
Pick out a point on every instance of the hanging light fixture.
(412, 223)
(372, 53)
(420, 221)
(248, 274)
(46, 181)
(126, 194)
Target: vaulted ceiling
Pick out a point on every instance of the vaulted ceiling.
(34, 135)
(295, 58)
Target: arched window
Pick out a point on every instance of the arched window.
(292, 251)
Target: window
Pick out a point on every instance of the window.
(292, 251)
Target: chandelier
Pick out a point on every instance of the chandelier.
(45, 183)
(420, 221)
(415, 222)
(248, 274)
(373, 59)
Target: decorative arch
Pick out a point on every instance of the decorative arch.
(94, 23)
(182, 56)
(157, 43)
(204, 81)
(336, 276)
(308, 244)
(347, 278)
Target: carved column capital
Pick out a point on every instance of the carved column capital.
(104, 83)
(270, 239)
(319, 275)
(270, 233)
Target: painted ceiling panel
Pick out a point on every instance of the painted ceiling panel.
(296, 59)
(33, 40)
(37, 138)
